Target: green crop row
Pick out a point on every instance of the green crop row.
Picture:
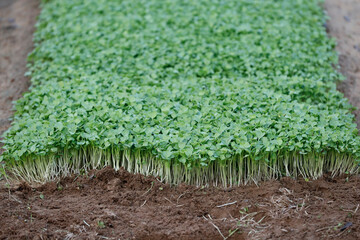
(206, 91)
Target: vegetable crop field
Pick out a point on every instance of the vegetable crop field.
(179, 119)
(190, 91)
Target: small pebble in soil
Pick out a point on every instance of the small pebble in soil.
(347, 225)
(11, 20)
(11, 27)
(347, 18)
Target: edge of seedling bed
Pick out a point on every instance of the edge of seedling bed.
(239, 170)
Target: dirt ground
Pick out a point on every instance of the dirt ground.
(117, 205)
(344, 25)
(17, 20)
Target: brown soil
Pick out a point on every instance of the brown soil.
(117, 205)
(17, 20)
(344, 25)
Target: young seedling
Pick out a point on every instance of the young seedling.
(101, 224)
(227, 101)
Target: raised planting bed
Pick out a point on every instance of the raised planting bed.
(202, 92)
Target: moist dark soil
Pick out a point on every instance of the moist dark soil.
(105, 204)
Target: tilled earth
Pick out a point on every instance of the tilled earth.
(106, 204)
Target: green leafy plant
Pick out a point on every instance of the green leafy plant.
(101, 224)
(202, 92)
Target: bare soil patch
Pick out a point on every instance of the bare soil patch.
(344, 25)
(17, 20)
(119, 205)
(106, 204)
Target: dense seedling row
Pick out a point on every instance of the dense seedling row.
(196, 91)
